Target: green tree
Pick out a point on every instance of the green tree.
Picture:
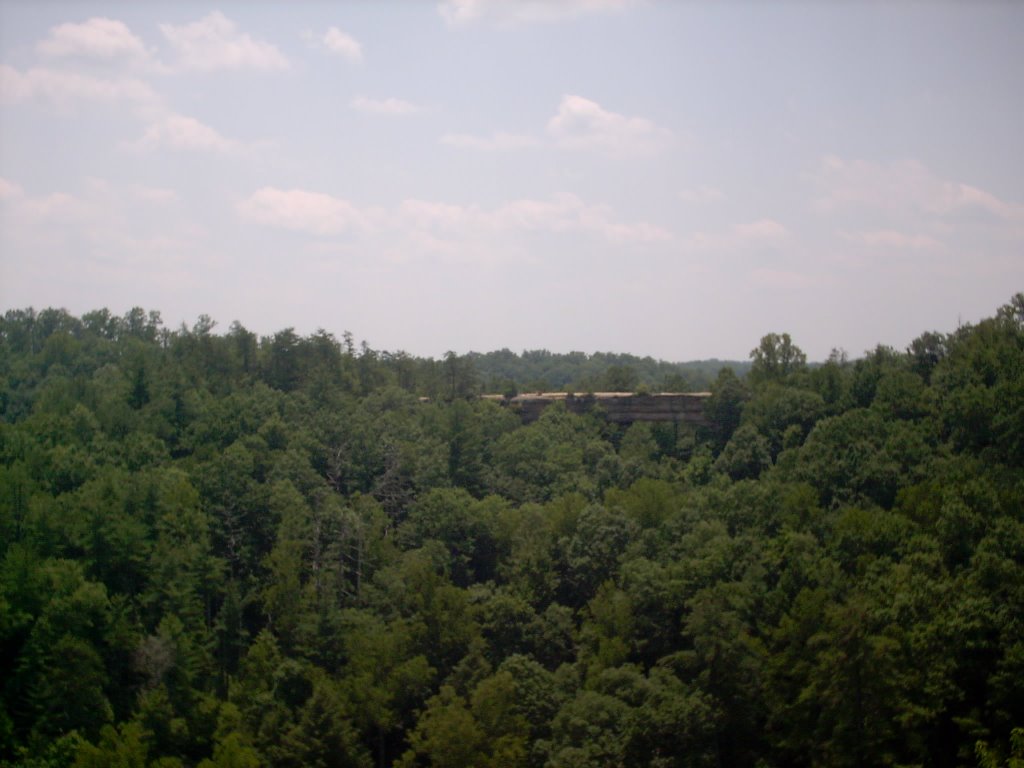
(121, 747)
(775, 359)
(724, 408)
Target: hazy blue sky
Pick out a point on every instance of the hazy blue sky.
(674, 179)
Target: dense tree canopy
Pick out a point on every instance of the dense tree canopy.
(224, 550)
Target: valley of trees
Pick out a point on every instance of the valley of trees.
(219, 550)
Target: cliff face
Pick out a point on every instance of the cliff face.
(618, 407)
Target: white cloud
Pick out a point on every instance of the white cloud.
(562, 214)
(760, 232)
(65, 90)
(496, 142)
(104, 234)
(460, 12)
(966, 196)
(183, 133)
(14, 85)
(901, 188)
(9, 190)
(439, 222)
(423, 214)
(469, 234)
(389, 106)
(53, 208)
(343, 44)
(784, 279)
(302, 211)
(888, 238)
(567, 213)
(58, 205)
(585, 125)
(96, 38)
(30, 225)
(701, 194)
(579, 124)
(214, 43)
(762, 229)
(153, 194)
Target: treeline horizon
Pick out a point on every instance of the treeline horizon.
(224, 551)
(494, 372)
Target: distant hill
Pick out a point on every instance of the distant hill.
(541, 370)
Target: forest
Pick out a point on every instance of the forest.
(224, 550)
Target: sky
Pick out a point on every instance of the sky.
(674, 179)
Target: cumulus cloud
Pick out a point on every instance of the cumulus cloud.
(496, 142)
(31, 225)
(701, 194)
(64, 89)
(461, 12)
(762, 229)
(96, 38)
(425, 220)
(214, 42)
(888, 238)
(760, 232)
(582, 124)
(339, 42)
(424, 214)
(562, 214)
(389, 106)
(902, 187)
(183, 133)
(568, 213)
(68, 91)
(472, 234)
(966, 196)
(9, 190)
(303, 211)
(579, 124)
(784, 279)
(100, 235)
(56, 207)
(153, 194)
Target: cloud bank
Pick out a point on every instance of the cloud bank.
(464, 12)
(582, 124)
(214, 42)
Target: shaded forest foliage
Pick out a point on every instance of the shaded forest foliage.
(225, 550)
